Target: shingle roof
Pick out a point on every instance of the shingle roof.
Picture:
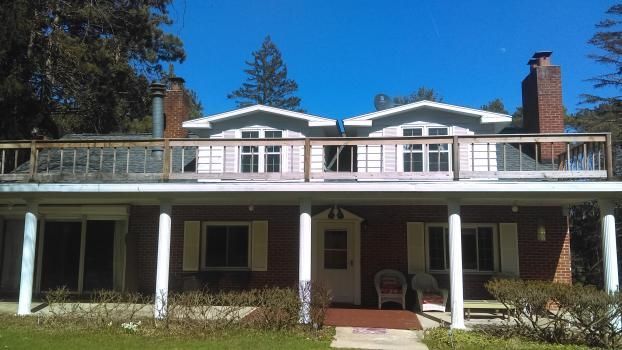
(107, 160)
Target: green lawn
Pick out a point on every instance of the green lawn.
(32, 337)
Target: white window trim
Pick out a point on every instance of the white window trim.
(495, 246)
(425, 149)
(261, 166)
(205, 224)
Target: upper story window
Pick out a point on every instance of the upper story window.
(478, 247)
(273, 153)
(433, 157)
(249, 156)
(254, 159)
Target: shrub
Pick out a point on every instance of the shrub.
(561, 313)
(192, 311)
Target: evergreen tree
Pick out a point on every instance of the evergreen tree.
(421, 94)
(80, 66)
(495, 106)
(608, 39)
(267, 83)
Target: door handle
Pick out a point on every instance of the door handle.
(351, 262)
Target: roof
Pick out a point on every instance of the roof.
(485, 116)
(206, 122)
(106, 160)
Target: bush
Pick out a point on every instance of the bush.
(193, 311)
(561, 313)
(445, 339)
(105, 308)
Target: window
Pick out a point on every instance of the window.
(336, 249)
(249, 157)
(413, 154)
(273, 153)
(478, 253)
(226, 245)
(438, 154)
(436, 158)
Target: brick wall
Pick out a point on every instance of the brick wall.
(176, 109)
(282, 243)
(383, 243)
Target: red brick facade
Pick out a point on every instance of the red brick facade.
(543, 111)
(176, 109)
(383, 243)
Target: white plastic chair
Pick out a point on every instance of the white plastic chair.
(424, 283)
(390, 285)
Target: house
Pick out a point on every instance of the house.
(261, 196)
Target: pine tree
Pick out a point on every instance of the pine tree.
(495, 106)
(608, 39)
(267, 83)
(80, 66)
(422, 93)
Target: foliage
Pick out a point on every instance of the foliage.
(496, 105)
(605, 117)
(80, 66)
(585, 243)
(191, 312)
(105, 307)
(560, 313)
(267, 82)
(421, 94)
(517, 117)
(608, 39)
(446, 339)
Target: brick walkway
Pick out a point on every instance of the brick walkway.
(372, 318)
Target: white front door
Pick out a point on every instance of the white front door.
(335, 243)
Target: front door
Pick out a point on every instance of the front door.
(336, 260)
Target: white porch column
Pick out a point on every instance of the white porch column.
(610, 252)
(304, 259)
(28, 259)
(455, 265)
(164, 251)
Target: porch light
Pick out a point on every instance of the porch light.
(331, 213)
(541, 230)
(339, 213)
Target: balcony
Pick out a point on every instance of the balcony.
(440, 158)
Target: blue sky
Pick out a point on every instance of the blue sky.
(342, 53)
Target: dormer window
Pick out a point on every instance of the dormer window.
(249, 156)
(255, 159)
(432, 157)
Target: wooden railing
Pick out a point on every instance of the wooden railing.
(528, 156)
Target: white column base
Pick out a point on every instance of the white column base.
(455, 266)
(164, 251)
(28, 260)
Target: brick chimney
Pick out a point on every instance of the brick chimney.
(176, 108)
(543, 111)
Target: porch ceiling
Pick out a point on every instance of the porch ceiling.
(320, 193)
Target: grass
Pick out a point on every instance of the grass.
(440, 339)
(24, 333)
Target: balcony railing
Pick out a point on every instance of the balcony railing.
(527, 156)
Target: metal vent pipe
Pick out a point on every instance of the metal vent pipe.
(157, 105)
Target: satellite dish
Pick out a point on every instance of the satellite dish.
(382, 101)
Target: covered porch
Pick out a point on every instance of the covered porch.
(304, 243)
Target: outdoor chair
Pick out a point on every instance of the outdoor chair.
(429, 296)
(390, 285)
